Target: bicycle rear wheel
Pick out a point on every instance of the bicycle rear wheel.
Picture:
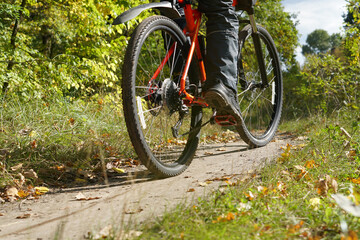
(260, 106)
(152, 105)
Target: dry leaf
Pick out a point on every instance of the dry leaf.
(33, 144)
(118, 170)
(202, 184)
(351, 154)
(80, 197)
(16, 167)
(249, 196)
(133, 211)
(24, 132)
(26, 215)
(222, 149)
(31, 174)
(1, 214)
(208, 153)
(71, 121)
(12, 192)
(132, 234)
(23, 194)
(191, 190)
(104, 233)
(334, 185)
(22, 179)
(41, 190)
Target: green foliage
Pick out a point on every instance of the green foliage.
(281, 26)
(352, 41)
(70, 48)
(325, 84)
(62, 48)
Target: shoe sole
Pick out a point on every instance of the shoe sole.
(217, 101)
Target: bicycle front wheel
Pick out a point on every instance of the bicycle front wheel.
(152, 69)
(260, 105)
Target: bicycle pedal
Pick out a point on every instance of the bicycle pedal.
(225, 120)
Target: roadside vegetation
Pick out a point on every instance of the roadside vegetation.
(310, 192)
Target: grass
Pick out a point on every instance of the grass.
(46, 137)
(291, 199)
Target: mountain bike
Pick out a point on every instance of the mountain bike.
(162, 75)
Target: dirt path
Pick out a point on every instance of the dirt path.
(136, 199)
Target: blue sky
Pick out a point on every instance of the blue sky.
(316, 14)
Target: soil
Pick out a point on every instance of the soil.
(134, 198)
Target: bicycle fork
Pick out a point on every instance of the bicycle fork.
(259, 54)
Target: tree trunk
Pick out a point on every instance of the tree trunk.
(13, 45)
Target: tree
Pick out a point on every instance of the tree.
(317, 41)
(282, 27)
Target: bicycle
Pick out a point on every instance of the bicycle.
(161, 85)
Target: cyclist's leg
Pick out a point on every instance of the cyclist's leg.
(222, 43)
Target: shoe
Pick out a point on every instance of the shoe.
(224, 100)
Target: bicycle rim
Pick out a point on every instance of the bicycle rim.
(260, 106)
(154, 108)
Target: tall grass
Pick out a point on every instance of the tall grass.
(46, 135)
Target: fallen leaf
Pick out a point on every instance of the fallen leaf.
(103, 233)
(191, 190)
(351, 154)
(229, 217)
(26, 215)
(41, 190)
(1, 214)
(23, 194)
(33, 144)
(132, 234)
(133, 211)
(71, 121)
(16, 167)
(310, 164)
(202, 184)
(118, 170)
(82, 197)
(222, 149)
(208, 153)
(24, 132)
(12, 192)
(22, 179)
(249, 196)
(31, 174)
